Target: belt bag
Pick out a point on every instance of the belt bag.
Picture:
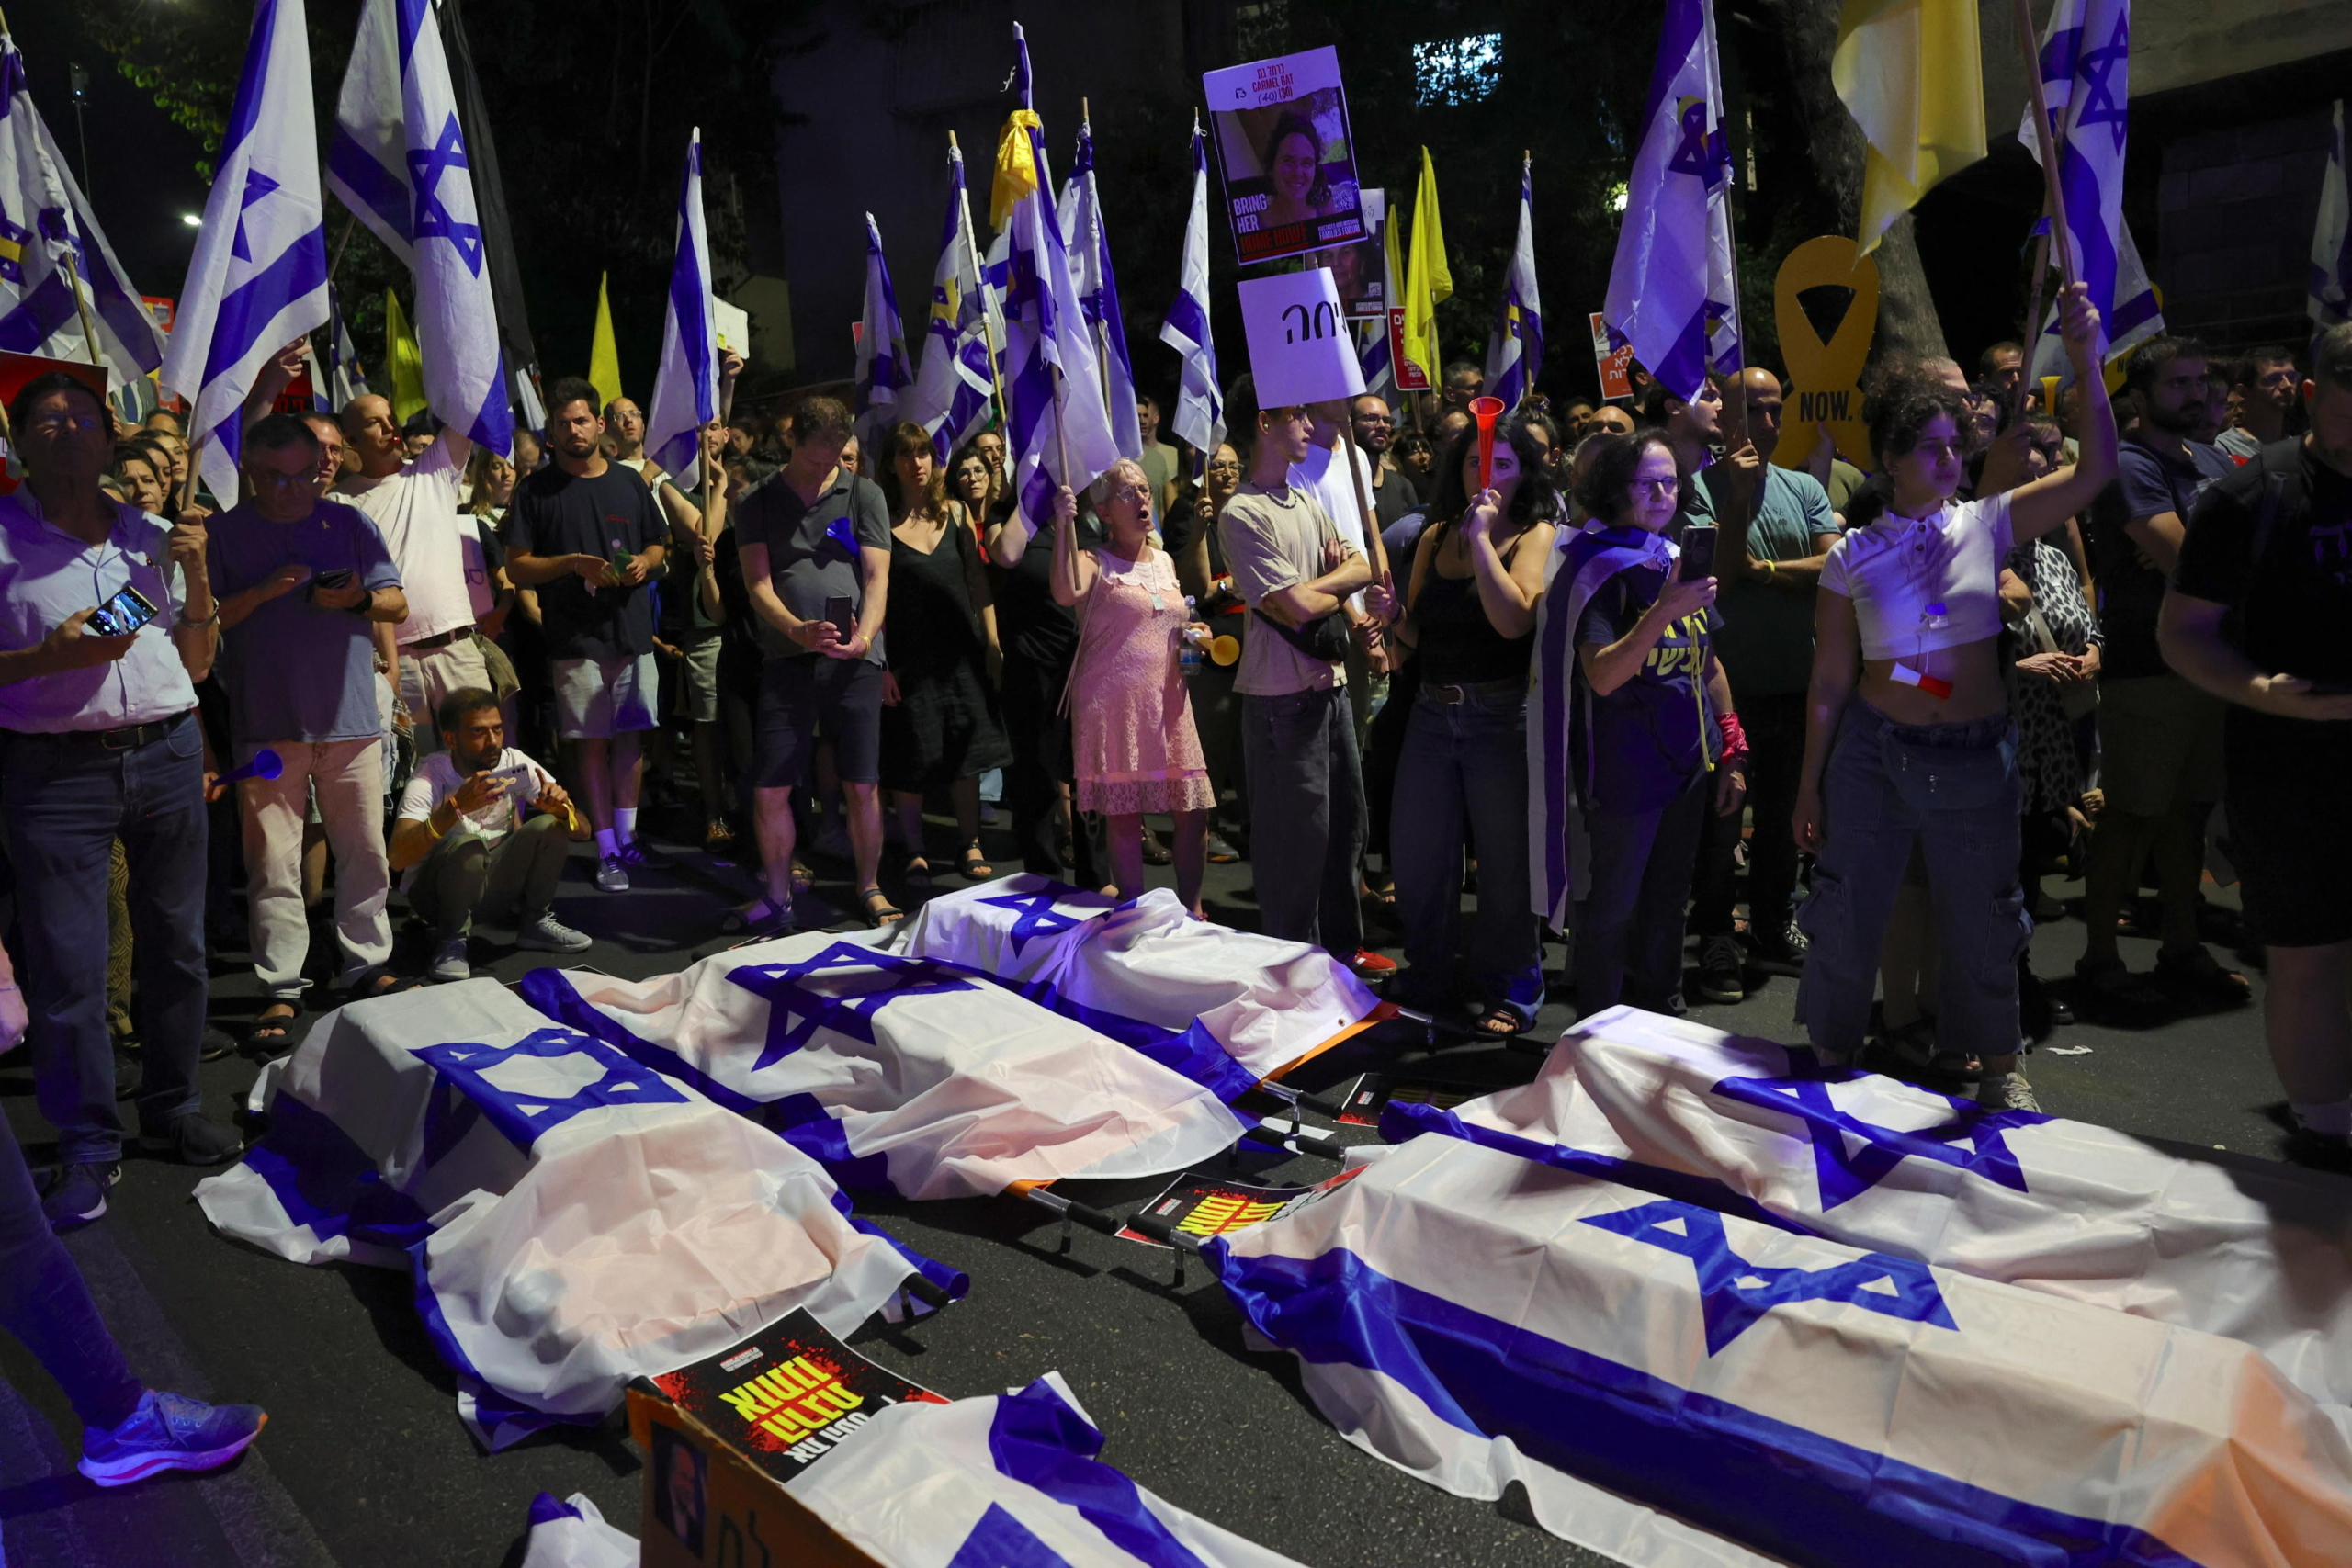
(1325, 638)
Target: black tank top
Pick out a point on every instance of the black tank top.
(1459, 646)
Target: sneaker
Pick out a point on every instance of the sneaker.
(612, 874)
(638, 852)
(1370, 965)
(2006, 1091)
(449, 961)
(192, 1138)
(548, 934)
(1220, 850)
(168, 1431)
(1719, 975)
(718, 842)
(77, 1194)
(1787, 945)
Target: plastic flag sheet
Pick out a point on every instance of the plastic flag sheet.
(1143, 970)
(898, 1073)
(572, 1218)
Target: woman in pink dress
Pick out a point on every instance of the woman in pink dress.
(1131, 717)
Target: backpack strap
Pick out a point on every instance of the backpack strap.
(2265, 515)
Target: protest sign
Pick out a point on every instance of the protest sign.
(1300, 350)
(1282, 136)
(1824, 375)
(1616, 381)
(1360, 271)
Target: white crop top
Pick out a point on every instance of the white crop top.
(1919, 584)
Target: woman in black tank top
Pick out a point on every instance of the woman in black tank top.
(1462, 780)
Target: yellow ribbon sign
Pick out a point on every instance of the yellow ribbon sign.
(1825, 378)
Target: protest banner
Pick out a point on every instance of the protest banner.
(1825, 374)
(1282, 136)
(1300, 351)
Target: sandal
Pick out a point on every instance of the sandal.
(973, 868)
(272, 1032)
(1499, 1024)
(879, 910)
(917, 871)
(1156, 852)
(378, 982)
(762, 916)
(2108, 993)
(2194, 975)
(1911, 1052)
(803, 878)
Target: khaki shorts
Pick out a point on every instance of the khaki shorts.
(691, 691)
(596, 699)
(2160, 744)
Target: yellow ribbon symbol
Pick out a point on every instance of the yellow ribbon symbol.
(1016, 165)
(1825, 378)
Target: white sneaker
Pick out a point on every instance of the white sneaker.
(548, 934)
(2006, 1091)
(612, 874)
(449, 963)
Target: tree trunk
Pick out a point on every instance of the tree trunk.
(1907, 323)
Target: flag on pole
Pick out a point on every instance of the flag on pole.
(2086, 67)
(259, 280)
(604, 353)
(490, 211)
(2331, 287)
(1515, 351)
(1098, 294)
(1428, 281)
(406, 364)
(883, 376)
(956, 385)
(1199, 419)
(1909, 72)
(399, 162)
(2139, 316)
(685, 389)
(1374, 351)
(45, 229)
(346, 376)
(1672, 293)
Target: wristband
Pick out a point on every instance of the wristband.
(1735, 738)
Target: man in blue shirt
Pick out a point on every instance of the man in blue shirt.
(103, 744)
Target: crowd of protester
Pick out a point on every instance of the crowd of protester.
(1849, 750)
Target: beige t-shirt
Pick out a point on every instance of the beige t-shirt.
(1274, 539)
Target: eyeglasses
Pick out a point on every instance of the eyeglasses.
(1663, 487)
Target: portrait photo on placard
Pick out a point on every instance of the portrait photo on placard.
(1282, 136)
(1359, 270)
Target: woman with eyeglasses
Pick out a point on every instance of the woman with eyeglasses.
(1910, 748)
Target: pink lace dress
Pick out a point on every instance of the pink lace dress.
(1131, 717)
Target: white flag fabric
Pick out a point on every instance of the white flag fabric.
(1672, 293)
(1477, 1318)
(685, 389)
(1515, 348)
(885, 370)
(898, 1074)
(1015, 1480)
(956, 389)
(571, 1532)
(2086, 80)
(572, 1218)
(47, 237)
(2331, 280)
(399, 163)
(346, 375)
(1226, 1009)
(1098, 294)
(1199, 418)
(259, 280)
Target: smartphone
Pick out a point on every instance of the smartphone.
(329, 580)
(521, 784)
(1698, 552)
(122, 614)
(842, 611)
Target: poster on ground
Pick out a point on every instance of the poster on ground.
(1281, 136)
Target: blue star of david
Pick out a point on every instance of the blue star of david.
(2102, 105)
(1000, 1541)
(521, 1116)
(1735, 1292)
(434, 221)
(802, 1000)
(257, 184)
(1846, 1168)
(1699, 152)
(1037, 917)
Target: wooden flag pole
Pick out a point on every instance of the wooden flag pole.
(981, 281)
(350, 222)
(2045, 134)
(2032, 326)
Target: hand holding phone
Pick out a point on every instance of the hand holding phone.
(122, 614)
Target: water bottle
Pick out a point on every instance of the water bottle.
(1188, 651)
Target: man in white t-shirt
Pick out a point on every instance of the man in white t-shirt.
(469, 850)
(417, 508)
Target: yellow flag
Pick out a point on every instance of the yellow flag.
(1426, 280)
(604, 358)
(402, 353)
(1016, 165)
(1909, 72)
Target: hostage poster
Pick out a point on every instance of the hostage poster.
(1282, 136)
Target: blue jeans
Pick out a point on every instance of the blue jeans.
(66, 802)
(45, 1304)
(1461, 778)
(1306, 816)
(1630, 923)
(1954, 789)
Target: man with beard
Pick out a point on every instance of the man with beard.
(1393, 495)
(2160, 737)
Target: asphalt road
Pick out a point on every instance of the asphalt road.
(365, 1462)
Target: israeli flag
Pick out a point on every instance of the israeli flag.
(1674, 1384)
(884, 373)
(1672, 293)
(1016, 1480)
(48, 238)
(571, 1532)
(2139, 316)
(1097, 293)
(572, 1218)
(2086, 80)
(1199, 419)
(898, 1074)
(2331, 285)
(259, 280)
(1515, 349)
(1053, 378)
(955, 391)
(346, 375)
(685, 389)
